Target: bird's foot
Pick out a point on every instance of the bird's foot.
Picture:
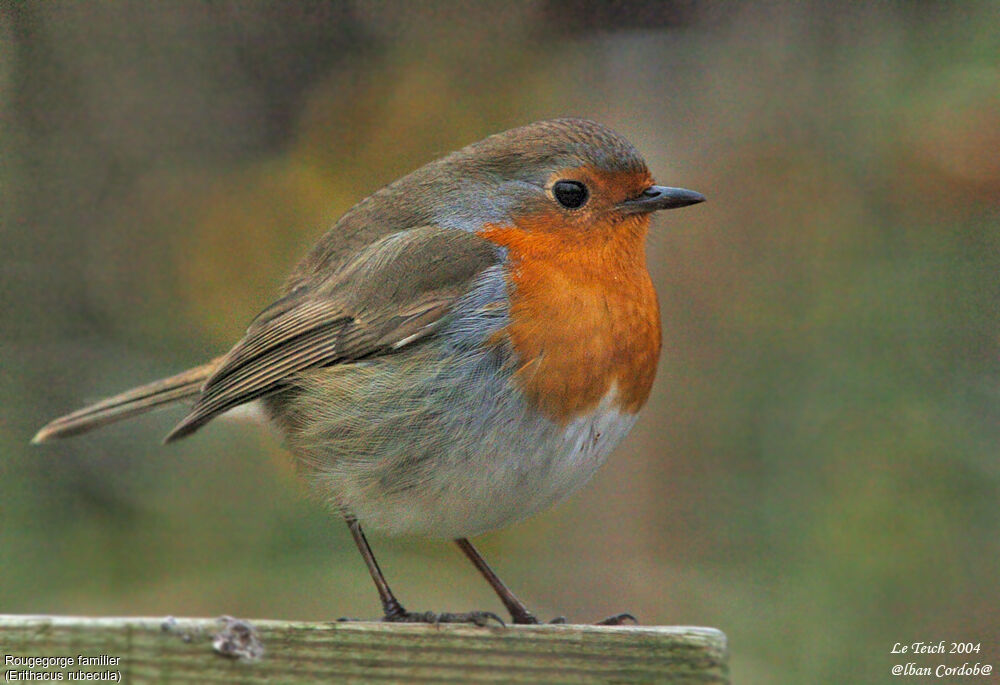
(529, 619)
(616, 620)
(484, 618)
(479, 618)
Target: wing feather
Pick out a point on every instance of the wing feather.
(377, 305)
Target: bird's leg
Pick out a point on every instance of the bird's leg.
(518, 612)
(391, 607)
(392, 610)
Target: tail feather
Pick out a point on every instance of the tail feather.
(130, 403)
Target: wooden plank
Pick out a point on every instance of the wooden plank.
(151, 650)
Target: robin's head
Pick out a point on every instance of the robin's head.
(565, 176)
(568, 173)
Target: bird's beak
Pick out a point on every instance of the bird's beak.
(655, 198)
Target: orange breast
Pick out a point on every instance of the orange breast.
(583, 314)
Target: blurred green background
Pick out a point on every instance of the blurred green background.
(817, 473)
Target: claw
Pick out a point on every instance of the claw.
(618, 620)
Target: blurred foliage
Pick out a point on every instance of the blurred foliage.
(817, 472)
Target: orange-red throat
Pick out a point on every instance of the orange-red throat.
(584, 318)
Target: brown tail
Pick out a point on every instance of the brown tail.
(130, 403)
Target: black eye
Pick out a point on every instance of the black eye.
(570, 194)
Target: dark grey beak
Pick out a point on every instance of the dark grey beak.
(655, 198)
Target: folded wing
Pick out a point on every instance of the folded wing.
(396, 292)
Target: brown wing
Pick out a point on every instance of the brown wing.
(395, 292)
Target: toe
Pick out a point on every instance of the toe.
(618, 620)
(479, 618)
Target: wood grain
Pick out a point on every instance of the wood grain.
(156, 650)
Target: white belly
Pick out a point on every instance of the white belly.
(491, 471)
(586, 443)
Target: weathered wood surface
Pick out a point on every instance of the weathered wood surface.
(156, 650)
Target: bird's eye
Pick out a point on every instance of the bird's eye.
(570, 194)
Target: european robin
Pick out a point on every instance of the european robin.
(461, 350)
